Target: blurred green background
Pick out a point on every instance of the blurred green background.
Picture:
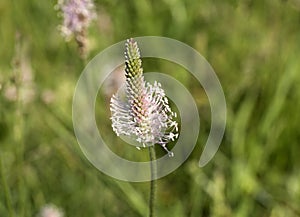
(254, 47)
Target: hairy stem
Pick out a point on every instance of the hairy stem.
(153, 169)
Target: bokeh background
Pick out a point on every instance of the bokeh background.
(254, 47)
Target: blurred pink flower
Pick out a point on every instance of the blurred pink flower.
(23, 86)
(77, 16)
(50, 210)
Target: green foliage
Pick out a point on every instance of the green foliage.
(253, 47)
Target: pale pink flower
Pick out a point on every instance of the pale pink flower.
(50, 210)
(77, 16)
(23, 86)
(144, 112)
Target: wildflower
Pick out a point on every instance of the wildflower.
(144, 112)
(22, 89)
(50, 210)
(21, 86)
(77, 16)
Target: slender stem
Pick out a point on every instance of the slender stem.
(153, 169)
(18, 129)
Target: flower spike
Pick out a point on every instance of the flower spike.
(144, 113)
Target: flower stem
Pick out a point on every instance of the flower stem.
(153, 169)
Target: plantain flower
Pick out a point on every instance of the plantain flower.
(77, 16)
(144, 112)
